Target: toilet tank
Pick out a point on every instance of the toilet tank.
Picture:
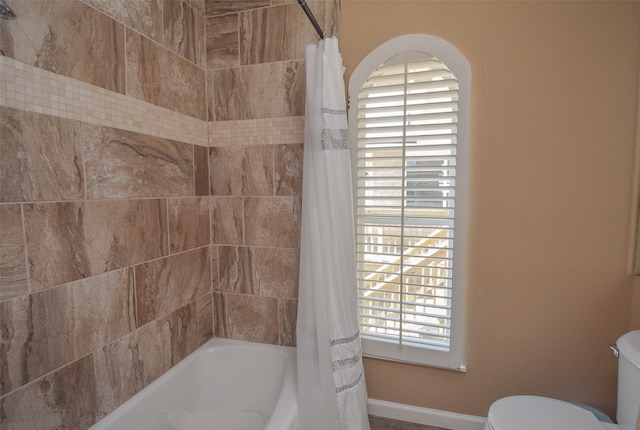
(628, 380)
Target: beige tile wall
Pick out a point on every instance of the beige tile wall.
(33, 89)
(106, 276)
(92, 215)
(136, 220)
(255, 83)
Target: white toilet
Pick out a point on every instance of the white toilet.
(542, 413)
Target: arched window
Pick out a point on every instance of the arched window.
(409, 132)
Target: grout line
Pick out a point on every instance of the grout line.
(23, 224)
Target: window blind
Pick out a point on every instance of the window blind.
(405, 201)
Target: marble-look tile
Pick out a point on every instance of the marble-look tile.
(13, 266)
(163, 78)
(164, 285)
(259, 91)
(269, 272)
(64, 399)
(205, 318)
(281, 33)
(245, 317)
(201, 170)
(215, 267)
(272, 221)
(124, 164)
(329, 10)
(184, 31)
(211, 103)
(61, 36)
(48, 329)
(70, 241)
(275, 34)
(32, 89)
(242, 171)
(132, 362)
(221, 7)
(188, 223)
(287, 318)
(198, 6)
(227, 220)
(223, 49)
(144, 16)
(41, 159)
(288, 169)
(184, 331)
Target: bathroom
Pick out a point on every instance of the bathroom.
(173, 216)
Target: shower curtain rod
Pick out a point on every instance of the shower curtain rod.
(311, 18)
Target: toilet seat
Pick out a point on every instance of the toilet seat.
(539, 413)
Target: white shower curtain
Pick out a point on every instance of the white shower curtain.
(332, 394)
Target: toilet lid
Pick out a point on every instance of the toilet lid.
(537, 413)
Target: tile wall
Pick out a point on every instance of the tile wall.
(255, 89)
(150, 190)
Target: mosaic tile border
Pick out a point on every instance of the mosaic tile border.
(266, 131)
(36, 90)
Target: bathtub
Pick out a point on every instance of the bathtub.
(223, 385)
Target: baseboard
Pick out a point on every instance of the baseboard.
(430, 417)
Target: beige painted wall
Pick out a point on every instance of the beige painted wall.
(635, 304)
(555, 88)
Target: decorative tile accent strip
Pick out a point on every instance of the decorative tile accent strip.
(263, 131)
(36, 90)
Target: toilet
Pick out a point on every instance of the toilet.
(543, 413)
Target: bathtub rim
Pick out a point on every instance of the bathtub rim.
(106, 422)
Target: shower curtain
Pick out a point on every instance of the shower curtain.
(331, 387)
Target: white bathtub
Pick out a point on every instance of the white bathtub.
(223, 385)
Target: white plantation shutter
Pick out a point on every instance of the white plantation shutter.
(406, 128)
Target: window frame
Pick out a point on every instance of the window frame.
(459, 66)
